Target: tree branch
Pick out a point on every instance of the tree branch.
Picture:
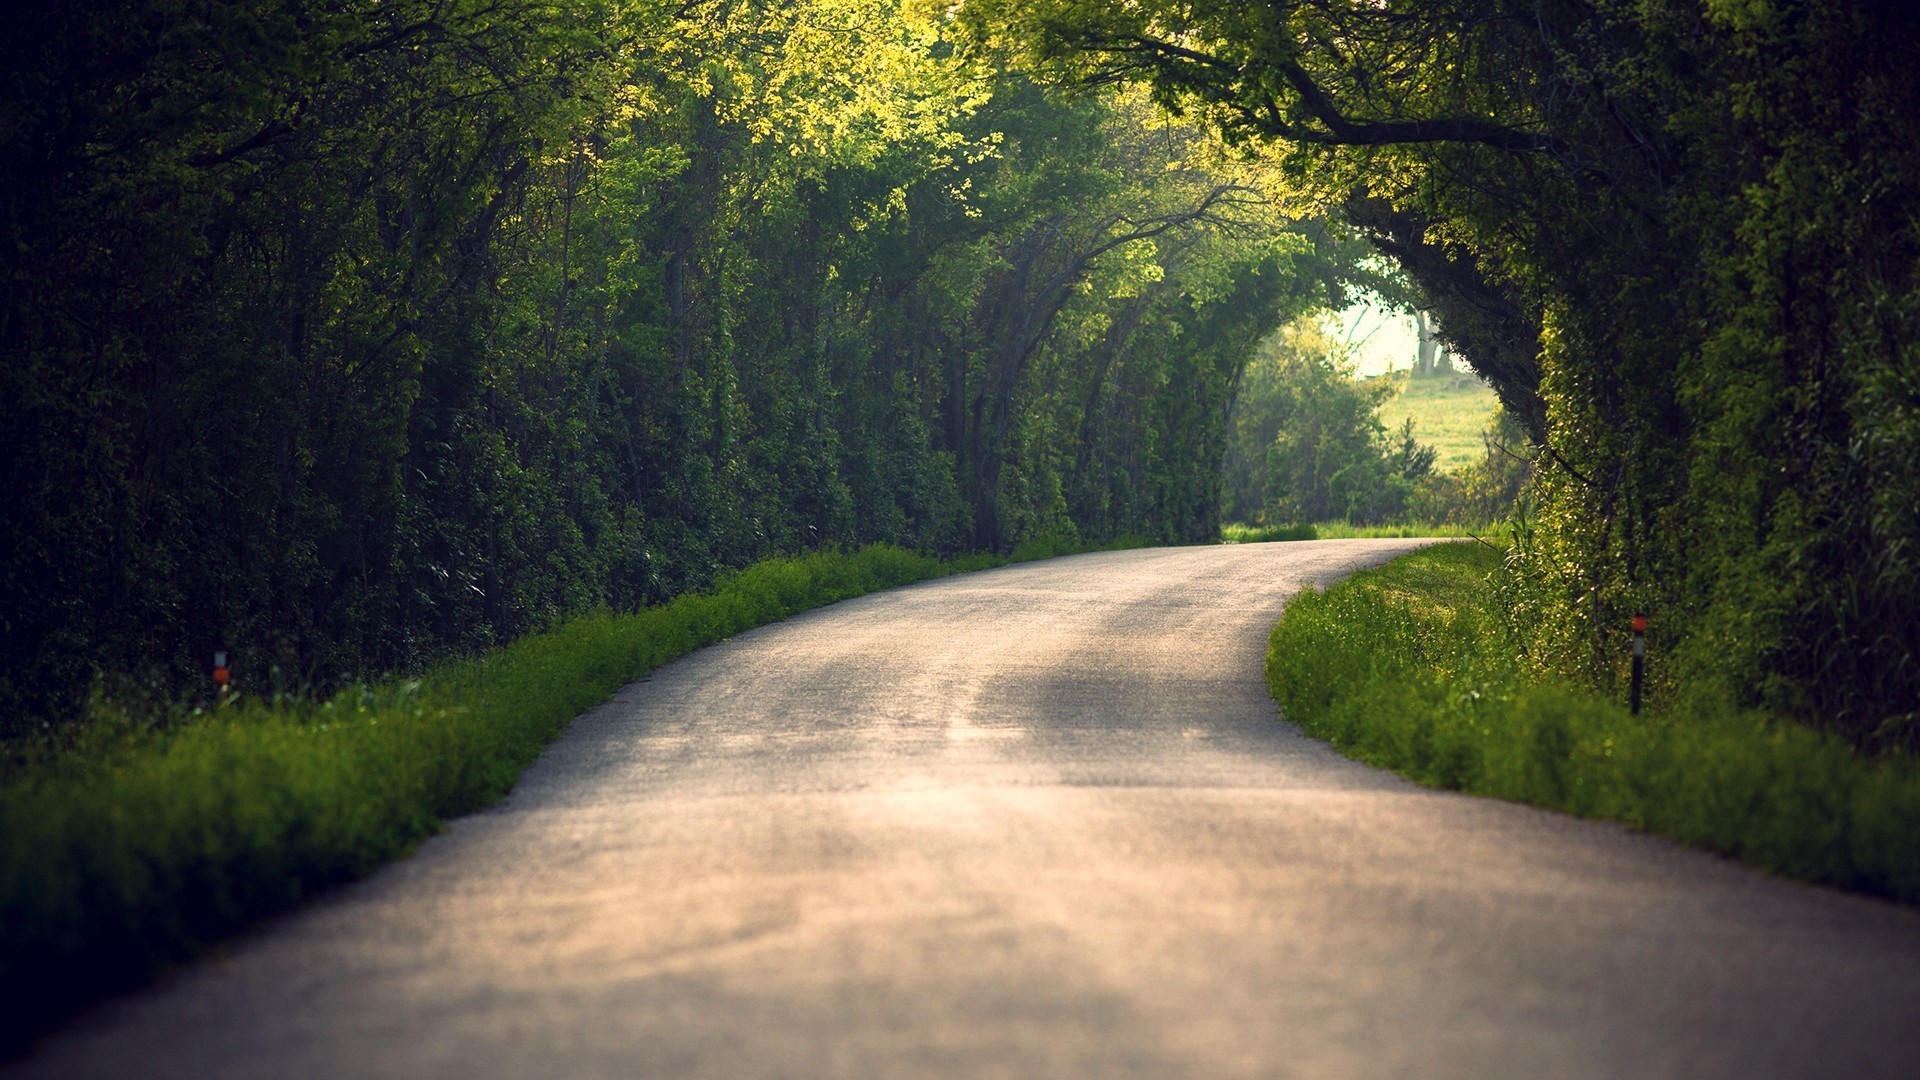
(271, 132)
(1219, 81)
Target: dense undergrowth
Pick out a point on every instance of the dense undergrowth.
(150, 840)
(1410, 667)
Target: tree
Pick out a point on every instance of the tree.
(1307, 444)
(339, 338)
(1652, 229)
(1432, 359)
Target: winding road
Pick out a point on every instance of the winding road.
(1039, 821)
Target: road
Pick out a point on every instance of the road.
(1039, 822)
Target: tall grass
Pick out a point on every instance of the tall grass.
(1409, 667)
(135, 851)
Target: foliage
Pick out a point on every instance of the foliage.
(1493, 488)
(1305, 443)
(1679, 240)
(150, 842)
(1413, 667)
(346, 339)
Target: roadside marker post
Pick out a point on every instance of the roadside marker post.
(1639, 658)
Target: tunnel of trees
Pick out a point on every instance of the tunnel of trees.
(346, 334)
(340, 335)
(1679, 240)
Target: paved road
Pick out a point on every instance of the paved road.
(1034, 822)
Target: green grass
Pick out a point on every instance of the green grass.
(1053, 545)
(1407, 667)
(150, 842)
(1448, 415)
(1340, 530)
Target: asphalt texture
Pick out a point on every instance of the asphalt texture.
(1038, 822)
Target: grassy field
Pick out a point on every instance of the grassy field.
(1408, 667)
(1447, 414)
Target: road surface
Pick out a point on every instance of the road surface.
(1036, 822)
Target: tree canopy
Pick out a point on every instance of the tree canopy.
(337, 336)
(1678, 238)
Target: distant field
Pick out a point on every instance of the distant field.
(1448, 415)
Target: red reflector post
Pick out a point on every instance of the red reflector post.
(1639, 661)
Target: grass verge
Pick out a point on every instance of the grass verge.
(1340, 530)
(1407, 667)
(142, 849)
